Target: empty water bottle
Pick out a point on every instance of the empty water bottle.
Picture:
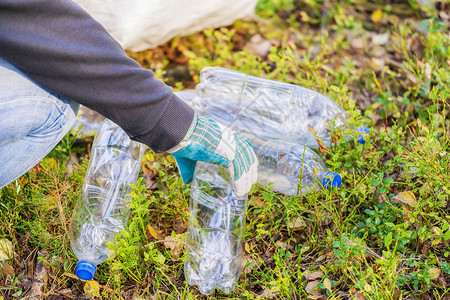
(281, 163)
(268, 109)
(290, 168)
(102, 210)
(215, 231)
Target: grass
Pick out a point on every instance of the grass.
(383, 235)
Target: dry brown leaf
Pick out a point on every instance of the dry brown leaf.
(6, 249)
(316, 295)
(40, 278)
(381, 39)
(434, 273)
(282, 245)
(70, 275)
(173, 244)
(407, 198)
(304, 16)
(321, 258)
(335, 138)
(378, 51)
(311, 285)
(256, 202)
(296, 224)
(327, 284)
(322, 148)
(377, 63)
(357, 44)
(313, 275)
(6, 269)
(428, 72)
(360, 296)
(268, 294)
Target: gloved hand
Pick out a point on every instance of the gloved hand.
(209, 141)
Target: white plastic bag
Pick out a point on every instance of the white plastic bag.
(142, 24)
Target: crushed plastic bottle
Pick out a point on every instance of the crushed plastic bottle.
(281, 163)
(268, 109)
(102, 210)
(215, 231)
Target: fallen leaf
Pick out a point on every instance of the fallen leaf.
(377, 63)
(326, 218)
(316, 295)
(321, 258)
(407, 198)
(109, 252)
(296, 224)
(6, 249)
(304, 16)
(427, 72)
(157, 234)
(40, 277)
(434, 273)
(268, 294)
(6, 269)
(357, 44)
(92, 288)
(67, 293)
(249, 265)
(322, 148)
(327, 284)
(377, 15)
(335, 138)
(311, 285)
(256, 202)
(70, 275)
(378, 51)
(171, 243)
(179, 226)
(381, 39)
(282, 245)
(360, 296)
(313, 275)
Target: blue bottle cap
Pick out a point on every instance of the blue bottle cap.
(331, 180)
(85, 270)
(361, 131)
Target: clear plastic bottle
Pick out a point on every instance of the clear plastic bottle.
(282, 165)
(102, 210)
(215, 231)
(268, 109)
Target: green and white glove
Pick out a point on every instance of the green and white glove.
(212, 142)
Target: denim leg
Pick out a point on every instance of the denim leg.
(32, 122)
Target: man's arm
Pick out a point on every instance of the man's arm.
(60, 47)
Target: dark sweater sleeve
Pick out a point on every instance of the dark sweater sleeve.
(63, 49)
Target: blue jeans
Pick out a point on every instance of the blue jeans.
(32, 122)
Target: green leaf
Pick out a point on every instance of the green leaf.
(447, 235)
(388, 240)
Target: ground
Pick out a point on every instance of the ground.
(383, 235)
